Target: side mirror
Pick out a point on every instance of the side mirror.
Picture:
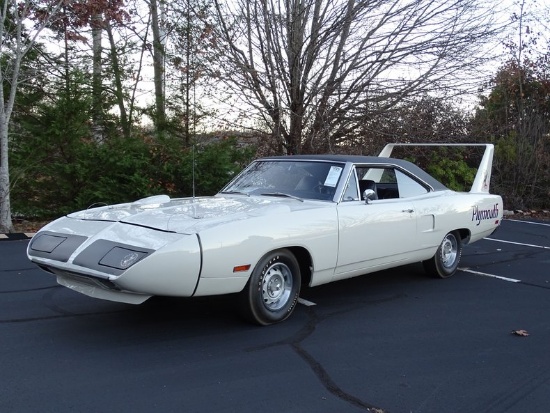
(369, 195)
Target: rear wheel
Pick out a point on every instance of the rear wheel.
(272, 292)
(445, 261)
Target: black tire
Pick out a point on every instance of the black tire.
(445, 261)
(272, 291)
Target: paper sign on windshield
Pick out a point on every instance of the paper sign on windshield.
(333, 175)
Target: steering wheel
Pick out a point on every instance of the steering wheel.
(319, 188)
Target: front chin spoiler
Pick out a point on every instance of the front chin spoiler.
(97, 289)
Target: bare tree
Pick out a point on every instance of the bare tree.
(159, 54)
(14, 45)
(98, 126)
(129, 49)
(515, 112)
(188, 36)
(96, 14)
(315, 70)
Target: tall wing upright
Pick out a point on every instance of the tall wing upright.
(482, 179)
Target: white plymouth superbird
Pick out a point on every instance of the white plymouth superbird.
(282, 222)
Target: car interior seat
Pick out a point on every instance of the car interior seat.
(307, 183)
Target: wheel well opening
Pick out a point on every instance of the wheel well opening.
(464, 235)
(304, 261)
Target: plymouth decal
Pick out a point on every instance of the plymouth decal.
(484, 214)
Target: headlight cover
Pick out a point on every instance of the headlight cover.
(122, 258)
(54, 246)
(111, 257)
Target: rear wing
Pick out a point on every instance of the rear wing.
(483, 175)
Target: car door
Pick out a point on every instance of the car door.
(376, 234)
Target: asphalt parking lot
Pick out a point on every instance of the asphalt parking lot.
(395, 341)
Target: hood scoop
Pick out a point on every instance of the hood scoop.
(152, 201)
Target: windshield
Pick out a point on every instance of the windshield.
(301, 179)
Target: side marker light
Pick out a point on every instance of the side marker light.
(241, 268)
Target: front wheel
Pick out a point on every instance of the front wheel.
(445, 261)
(273, 289)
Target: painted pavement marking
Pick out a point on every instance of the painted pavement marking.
(518, 243)
(484, 274)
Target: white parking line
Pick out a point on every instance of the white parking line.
(518, 243)
(529, 222)
(484, 274)
(306, 302)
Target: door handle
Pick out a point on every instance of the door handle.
(410, 211)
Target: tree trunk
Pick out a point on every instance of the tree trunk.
(10, 77)
(158, 69)
(6, 224)
(97, 80)
(119, 93)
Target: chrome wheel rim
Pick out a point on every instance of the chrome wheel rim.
(449, 251)
(276, 286)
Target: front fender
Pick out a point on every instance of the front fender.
(172, 270)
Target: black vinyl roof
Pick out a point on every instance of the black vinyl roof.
(367, 160)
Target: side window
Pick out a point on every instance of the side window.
(350, 194)
(388, 183)
(407, 186)
(381, 180)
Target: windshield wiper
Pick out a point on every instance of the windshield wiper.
(282, 194)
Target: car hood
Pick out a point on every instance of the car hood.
(191, 215)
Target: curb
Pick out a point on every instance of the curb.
(18, 236)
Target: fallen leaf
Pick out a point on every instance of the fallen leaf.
(521, 333)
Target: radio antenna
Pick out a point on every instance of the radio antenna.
(190, 57)
(193, 160)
